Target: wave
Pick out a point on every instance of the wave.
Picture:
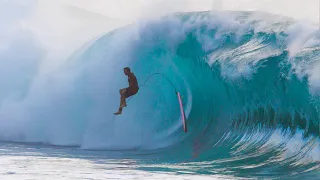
(249, 81)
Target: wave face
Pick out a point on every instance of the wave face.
(250, 87)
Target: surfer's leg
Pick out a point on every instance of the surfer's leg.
(122, 101)
(122, 91)
(123, 98)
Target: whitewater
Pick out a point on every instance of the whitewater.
(250, 83)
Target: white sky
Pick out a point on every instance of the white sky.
(131, 9)
(64, 25)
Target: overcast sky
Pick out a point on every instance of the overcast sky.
(64, 25)
(127, 9)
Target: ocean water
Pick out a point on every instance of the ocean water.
(250, 87)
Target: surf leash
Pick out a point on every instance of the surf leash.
(153, 74)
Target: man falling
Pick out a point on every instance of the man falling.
(129, 91)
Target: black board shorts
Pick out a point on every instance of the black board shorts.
(130, 92)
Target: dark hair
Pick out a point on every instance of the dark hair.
(127, 68)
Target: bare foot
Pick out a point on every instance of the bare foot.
(117, 113)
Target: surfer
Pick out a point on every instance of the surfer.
(129, 91)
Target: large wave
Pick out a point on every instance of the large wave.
(250, 86)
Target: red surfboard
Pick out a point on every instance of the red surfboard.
(183, 116)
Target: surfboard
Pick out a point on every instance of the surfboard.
(183, 115)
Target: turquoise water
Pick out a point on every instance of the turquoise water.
(250, 87)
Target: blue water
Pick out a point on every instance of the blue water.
(250, 87)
